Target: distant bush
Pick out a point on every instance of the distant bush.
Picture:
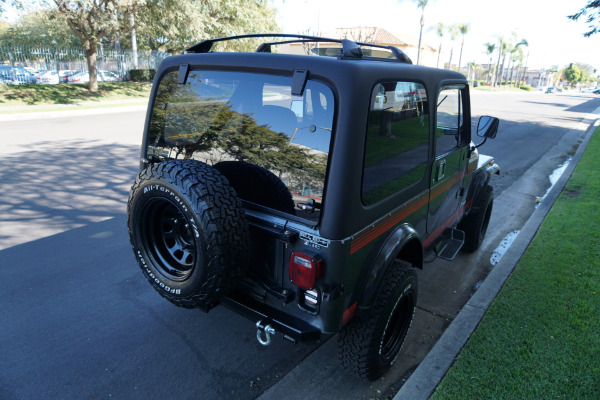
(142, 75)
(526, 87)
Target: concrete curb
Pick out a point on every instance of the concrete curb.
(438, 361)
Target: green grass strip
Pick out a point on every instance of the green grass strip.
(26, 95)
(540, 339)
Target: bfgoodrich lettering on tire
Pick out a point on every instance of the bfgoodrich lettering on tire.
(188, 231)
(369, 345)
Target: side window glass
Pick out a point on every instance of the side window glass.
(449, 120)
(397, 144)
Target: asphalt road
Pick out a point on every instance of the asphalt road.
(78, 320)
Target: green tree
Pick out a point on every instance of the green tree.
(93, 20)
(45, 27)
(463, 29)
(573, 74)
(591, 12)
(421, 4)
(453, 32)
(489, 50)
(173, 25)
(515, 53)
(440, 29)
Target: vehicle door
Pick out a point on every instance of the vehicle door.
(451, 148)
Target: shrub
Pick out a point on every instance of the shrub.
(142, 75)
(526, 87)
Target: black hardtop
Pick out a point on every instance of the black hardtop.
(352, 81)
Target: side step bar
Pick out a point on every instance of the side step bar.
(450, 243)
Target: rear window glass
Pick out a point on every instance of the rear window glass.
(222, 117)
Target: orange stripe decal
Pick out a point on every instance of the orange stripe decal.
(374, 231)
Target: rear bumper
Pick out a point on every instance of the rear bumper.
(291, 328)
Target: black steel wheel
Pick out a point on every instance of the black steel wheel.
(188, 232)
(167, 234)
(369, 345)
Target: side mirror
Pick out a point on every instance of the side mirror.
(488, 127)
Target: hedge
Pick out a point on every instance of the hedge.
(142, 75)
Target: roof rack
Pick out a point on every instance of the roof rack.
(350, 49)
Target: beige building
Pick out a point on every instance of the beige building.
(408, 44)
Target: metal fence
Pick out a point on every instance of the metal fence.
(73, 58)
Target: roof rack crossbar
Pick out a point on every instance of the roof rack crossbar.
(350, 49)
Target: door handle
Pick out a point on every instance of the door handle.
(441, 170)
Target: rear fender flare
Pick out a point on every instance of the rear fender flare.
(404, 243)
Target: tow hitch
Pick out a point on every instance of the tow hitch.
(268, 331)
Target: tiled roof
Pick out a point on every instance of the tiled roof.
(377, 36)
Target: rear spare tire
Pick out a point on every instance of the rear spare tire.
(188, 231)
(257, 184)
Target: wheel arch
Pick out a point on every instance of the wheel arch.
(481, 179)
(403, 244)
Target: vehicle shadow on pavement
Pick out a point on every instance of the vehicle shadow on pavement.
(49, 189)
(77, 301)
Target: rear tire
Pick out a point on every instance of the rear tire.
(369, 345)
(476, 223)
(188, 232)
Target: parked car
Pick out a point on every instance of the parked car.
(304, 191)
(597, 91)
(16, 75)
(551, 89)
(63, 75)
(109, 76)
(589, 89)
(48, 78)
(84, 77)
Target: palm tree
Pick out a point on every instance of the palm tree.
(463, 29)
(524, 74)
(523, 42)
(440, 30)
(517, 61)
(489, 49)
(453, 31)
(501, 51)
(421, 4)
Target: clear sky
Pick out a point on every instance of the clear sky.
(553, 39)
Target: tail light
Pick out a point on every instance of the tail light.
(305, 269)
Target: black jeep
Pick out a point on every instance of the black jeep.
(302, 190)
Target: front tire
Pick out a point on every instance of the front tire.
(369, 345)
(188, 232)
(476, 223)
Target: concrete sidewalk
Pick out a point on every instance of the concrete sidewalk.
(433, 368)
